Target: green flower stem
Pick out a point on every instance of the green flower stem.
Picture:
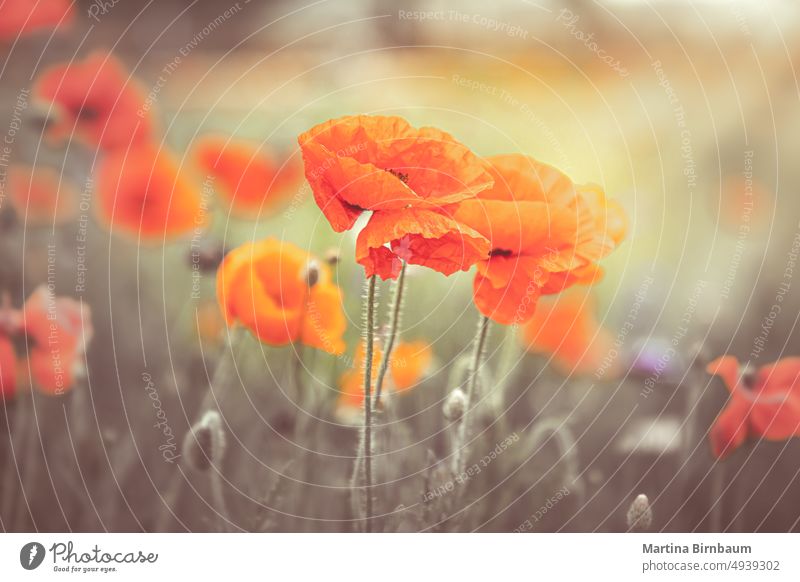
(394, 324)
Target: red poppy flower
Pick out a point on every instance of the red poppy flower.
(282, 294)
(41, 196)
(21, 17)
(253, 181)
(764, 403)
(98, 101)
(410, 179)
(141, 192)
(565, 328)
(8, 369)
(57, 330)
(546, 235)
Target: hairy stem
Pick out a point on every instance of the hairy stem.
(459, 455)
(369, 337)
(394, 324)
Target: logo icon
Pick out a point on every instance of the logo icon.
(31, 555)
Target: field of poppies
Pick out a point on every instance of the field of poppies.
(277, 267)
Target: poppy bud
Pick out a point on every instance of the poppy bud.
(332, 256)
(206, 255)
(205, 443)
(640, 515)
(454, 405)
(311, 273)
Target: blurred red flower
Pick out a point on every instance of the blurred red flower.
(252, 180)
(282, 294)
(142, 193)
(21, 17)
(409, 363)
(40, 196)
(410, 179)
(44, 343)
(764, 403)
(98, 101)
(546, 235)
(566, 328)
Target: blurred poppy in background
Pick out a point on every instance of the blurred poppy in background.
(253, 181)
(20, 17)
(41, 196)
(409, 363)
(764, 403)
(409, 178)
(142, 193)
(98, 101)
(565, 327)
(282, 294)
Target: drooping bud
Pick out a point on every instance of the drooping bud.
(640, 515)
(205, 443)
(311, 273)
(454, 405)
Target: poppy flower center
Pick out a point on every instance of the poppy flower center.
(748, 377)
(500, 253)
(399, 175)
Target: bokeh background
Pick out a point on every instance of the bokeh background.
(685, 111)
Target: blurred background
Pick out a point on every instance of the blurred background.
(685, 111)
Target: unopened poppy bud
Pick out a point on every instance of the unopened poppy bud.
(332, 257)
(454, 405)
(205, 443)
(640, 515)
(206, 255)
(311, 273)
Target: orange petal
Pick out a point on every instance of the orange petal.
(730, 428)
(522, 178)
(420, 237)
(409, 362)
(324, 323)
(727, 368)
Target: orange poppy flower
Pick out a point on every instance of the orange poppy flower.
(57, 330)
(546, 235)
(142, 193)
(20, 17)
(41, 196)
(98, 101)
(410, 179)
(764, 403)
(565, 328)
(409, 364)
(252, 180)
(267, 286)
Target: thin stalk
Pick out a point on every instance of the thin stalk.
(472, 380)
(218, 495)
(394, 324)
(367, 452)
